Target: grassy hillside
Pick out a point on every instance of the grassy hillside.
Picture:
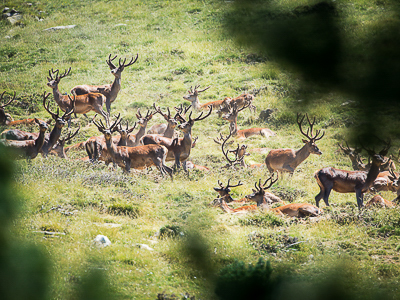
(182, 44)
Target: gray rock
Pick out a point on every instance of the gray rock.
(59, 27)
(266, 114)
(15, 19)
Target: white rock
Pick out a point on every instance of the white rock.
(101, 241)
(59, 27)
(145, 247)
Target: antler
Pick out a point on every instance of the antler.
(69, 136)
(231, 162)
(229, 186)
(199, 91)
(54, 116)
(66, 115)
(271, 182)
(109, 61)
(12, 99)
(199, 118)
(158, 110)
(123, 65)
(309, 130)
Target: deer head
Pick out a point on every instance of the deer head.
(60, 121)
(311, 138)
(116, 71)
(125, 132)
(142, 121)
(192, 94)
(259, 191)
(108, 131)
(225, 190)
(186, 126)
(172, 122)
(54, 81)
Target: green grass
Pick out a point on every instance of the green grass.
(181, 44)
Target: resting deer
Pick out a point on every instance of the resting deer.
(342, 181)
(223, 191)
(110, 91)
(166, 130)
(178, 148)
(378, 200)
(244, 133)
(240, 101)
(96, 147)
(193, 97)
(83, 103)
(59, 149)
(50, 139)
(387, 181)
(298, 210)
(288, 159)
(139, 157)
(261, 196)
(30, 148)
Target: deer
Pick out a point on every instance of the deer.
(223, 191)
(134, 139)
(378, 200)
(58, 149)
(50, 139)
(261, 196)
(96, 147)
(240, 101)
(139, 157)
(298, 210)
(178, 148)
(166, 130)
(193, 97)
(287, 160)
(28, 149)
(110, 91)
(83, 103)
(387, 181)
(244, 133)
(343, 181)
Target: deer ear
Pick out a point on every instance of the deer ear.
(37, 121)
(304, 141)
(150, 117)
(254, 191)
(48, 79)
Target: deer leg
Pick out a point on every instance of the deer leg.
(327, 192)
(177, 162)
(319, 196)
(184, 166)
(108, 105)
(360, 197)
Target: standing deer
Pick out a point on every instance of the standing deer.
(244, 133)
(83, 103)
(134, 139)
(30, 148)
(288, 159)
(193, 97)
(166, 130)
(342, 181)
(178, 148)
(110, 91)
(139, 157)
(59, 149)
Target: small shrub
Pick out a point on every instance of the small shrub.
(288, 193)
(124, 210)
(272, 243)
(170, 231)
(262, 220)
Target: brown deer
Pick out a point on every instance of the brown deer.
(110, 91)
(59, 149)
(83, 103)
(30, 148)
(166, 130)
(261, 196)
(139, 157)
(288, 159)
(342, 181)
(96, 147)
(387, 181)
(378, 200)
(134, 139)
(298, 210)
(240, 101)
(223, 191)
(178, 148)
(244, 133)
(193, 97)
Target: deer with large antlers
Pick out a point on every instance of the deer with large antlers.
(110, 91)
(244, 133)
(139, 157)
(179, 148)
(166, 130)
(387, 181)
(134, 139)
(223, 191)
(83, 103)
(30, 148)
(288, 159)
(342, 181)
(193, 97)
(58, 149)
(50, 139)
(96, 147)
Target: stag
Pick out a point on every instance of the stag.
(288, 159)
(342, 181)
(178, 148)
(240, 101)
(193, 97)
(134, 139)
(110, 91)
(166, 130)
(261, 196)
(59, 149)
(139, 157)
(244, 133)
(83, 103)
(223, 191)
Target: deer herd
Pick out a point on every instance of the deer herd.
(162, 143)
